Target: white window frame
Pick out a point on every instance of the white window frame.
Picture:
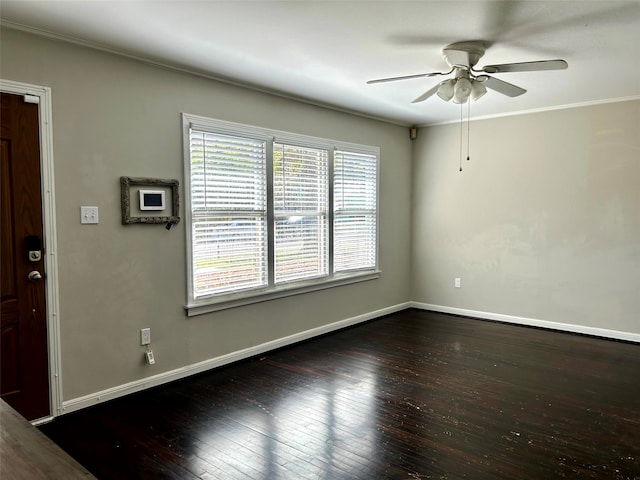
(229, 300)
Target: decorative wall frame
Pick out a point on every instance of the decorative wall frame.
(125, 198)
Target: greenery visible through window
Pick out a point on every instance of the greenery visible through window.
(271, 211)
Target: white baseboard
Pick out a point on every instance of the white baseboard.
(155, 380)
(162, 378)
(531, 322)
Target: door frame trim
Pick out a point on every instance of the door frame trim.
(50, 237)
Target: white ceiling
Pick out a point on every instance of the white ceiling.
(324, 51)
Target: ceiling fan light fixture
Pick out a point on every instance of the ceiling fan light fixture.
(445, 90)
(477, 89)
(469, 82)
(462, 90)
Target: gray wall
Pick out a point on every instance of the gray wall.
(113, 116)
(543, 222)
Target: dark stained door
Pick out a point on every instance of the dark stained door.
(24, 367)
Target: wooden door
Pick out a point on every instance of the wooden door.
(25, 370)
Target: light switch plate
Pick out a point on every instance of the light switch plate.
(145, 336)
(89, 215)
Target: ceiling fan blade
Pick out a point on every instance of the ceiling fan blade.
(426, 94)
(501, 86)
(422, 40)
(526, 66)
(499, 17)
(406, 77)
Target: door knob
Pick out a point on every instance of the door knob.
(34, 276)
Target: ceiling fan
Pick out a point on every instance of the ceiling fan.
(470, 83)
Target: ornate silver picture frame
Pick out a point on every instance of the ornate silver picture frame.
(172, 187)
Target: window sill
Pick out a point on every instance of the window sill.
(246, 298)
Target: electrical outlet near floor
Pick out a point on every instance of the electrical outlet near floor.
(145, 336)
(457, 282)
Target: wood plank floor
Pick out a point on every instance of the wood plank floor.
(414, 395)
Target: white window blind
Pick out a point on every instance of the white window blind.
(274, 213)
(229, 213)
(355, 199)
(301, 200)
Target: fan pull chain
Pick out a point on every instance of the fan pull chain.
(461, 125)
(468, 130)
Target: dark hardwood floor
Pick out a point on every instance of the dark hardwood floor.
(414, 395)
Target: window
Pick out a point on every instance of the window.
(273, 213)
(228, 213)
(301, 205)
(354, 211)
